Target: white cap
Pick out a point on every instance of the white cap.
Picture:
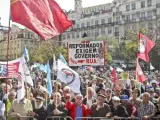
(153, 81)
(116, 98)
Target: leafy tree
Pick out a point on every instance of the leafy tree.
(46, 51)
(112, 47)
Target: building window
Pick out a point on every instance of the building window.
(149, 3)
(133, 6)
(117, 9)
(88, 24)
(103, 21)
(133, 17)
(82, 25)
(96, 32)
(127, 17)
(127, 27)
(77, 25)
(77, 35)
(134, 27)
(103, 31)
(73, 35)
(149, 14)
(138, 14)
(109, 31)
(96, 22)
(117, 20)
(68, 35)
(142, 4)
(150, 25)
(109, 20)
(142, 15)
(88, 33)
(127, 7)
(116, 31)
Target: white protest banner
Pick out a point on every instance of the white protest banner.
(86, 53)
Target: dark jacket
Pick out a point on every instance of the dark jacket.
(120, 111)
(41, 114)
(101, 112)
(61, 107)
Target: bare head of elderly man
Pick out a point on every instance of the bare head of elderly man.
(145, 97)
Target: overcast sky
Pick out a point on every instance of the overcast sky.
(65, 4)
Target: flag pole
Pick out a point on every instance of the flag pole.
(137, 60)
(7, 56)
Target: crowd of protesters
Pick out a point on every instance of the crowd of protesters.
(102, 99)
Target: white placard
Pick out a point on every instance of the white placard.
(86, 53)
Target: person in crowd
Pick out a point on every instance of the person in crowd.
(158, 107)
(39, 112)
(21, 108)
(118, 110)
(108, 99)
(117, 91)
(57, 108)
(135, 96)
(100, 109)
(11, 98)
(153, 98)
(91, 97)
(2, 110)
(145, 108)
(94, 82)
(124, 91)
(77, 108)
(154, 83)
(144, 86)
(128, 105)
(66, 90)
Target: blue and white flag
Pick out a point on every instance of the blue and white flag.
(26, 54)
(68, 76)
(49, 83)
(61, 57)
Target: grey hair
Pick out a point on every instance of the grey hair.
(146, 93)
(79, 95)
(13, 92)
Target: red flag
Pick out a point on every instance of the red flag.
(145, 46)
(140, 76)
(44, 17)
(114, 75)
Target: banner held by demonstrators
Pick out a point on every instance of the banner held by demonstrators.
(86, 53)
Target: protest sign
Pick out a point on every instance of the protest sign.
(86, 53)
(125, 75)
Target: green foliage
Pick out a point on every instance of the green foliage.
(112, 46)
(46, 51)
(130, 46)
(109, 58)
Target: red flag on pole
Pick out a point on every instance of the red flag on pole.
(140, 75)
(145, 46)
(44, 17)
(114, 75)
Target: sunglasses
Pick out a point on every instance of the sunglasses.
(38, 101)
(116, 101)
(108, 91)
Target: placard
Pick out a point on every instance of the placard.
(86, 53)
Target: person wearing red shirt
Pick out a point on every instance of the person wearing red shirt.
(77, 109)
